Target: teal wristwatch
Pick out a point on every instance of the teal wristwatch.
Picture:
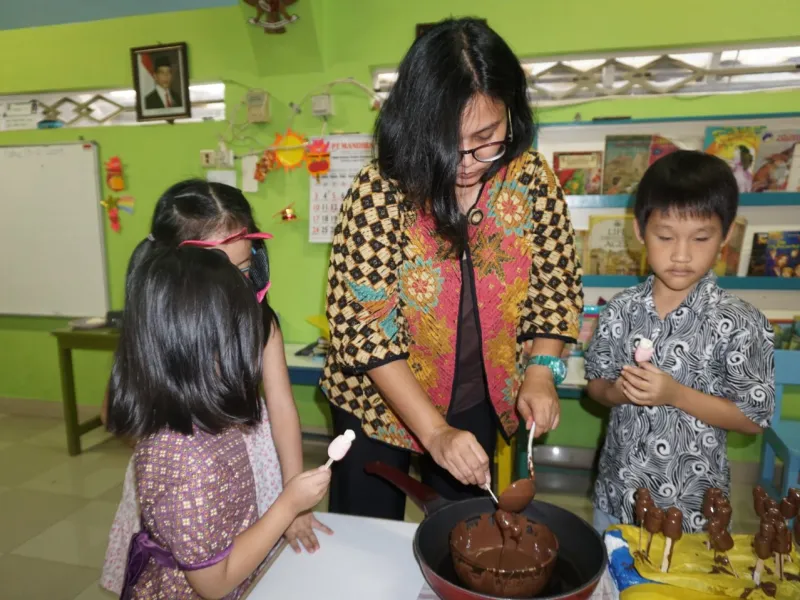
(557, 366)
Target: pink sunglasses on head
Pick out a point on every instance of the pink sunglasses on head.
(242, 235)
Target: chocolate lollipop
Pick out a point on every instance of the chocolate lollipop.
(709, 498)
(788, 509)
(763, 547)
(643, 502)
(771, 504)
(723, 511)
(794, 497)
(774, 515)
(759, 496)
(652, 522)
(673, 530)
(781, 546)
(722, 541)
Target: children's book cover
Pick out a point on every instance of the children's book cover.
(579, 172)
(738, 147)
(612, 247)
(783, 254)
(775, 159)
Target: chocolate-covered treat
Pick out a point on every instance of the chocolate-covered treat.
(781, 546)
(723, 511)
(709, 499)
(767, 529)
(652, 523)
(774, 515)
(643, 503)
(714, 527)
(794, 497)
(788, 509)
(763, 548)
(673, 530)
(770, 504)
(759, 496)
(721, 542)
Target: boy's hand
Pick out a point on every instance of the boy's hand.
(648, 386)
(305, 490)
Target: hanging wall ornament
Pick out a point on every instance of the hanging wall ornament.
(294, 144)
(268, 162)
(287, 214)
(318, 158)
(114, 177)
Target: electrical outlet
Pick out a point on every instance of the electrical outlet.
(322, 105)
(225, 159)
(208, 158)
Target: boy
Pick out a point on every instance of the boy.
(713, 366)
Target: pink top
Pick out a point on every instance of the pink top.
(196, 494)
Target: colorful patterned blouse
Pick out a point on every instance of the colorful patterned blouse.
(393, 294)
(196, 494)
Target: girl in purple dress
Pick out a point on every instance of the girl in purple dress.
(215, 215)
(185, 386)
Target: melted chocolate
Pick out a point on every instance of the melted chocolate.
(720, 571)
(769, 588)
(517, 496)
(484, 563)
(788, 509)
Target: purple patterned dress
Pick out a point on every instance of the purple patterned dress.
(196, 494)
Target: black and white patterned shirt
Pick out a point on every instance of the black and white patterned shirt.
(713, 342)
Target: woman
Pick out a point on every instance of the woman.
(453, 281)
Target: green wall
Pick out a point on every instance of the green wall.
(333, 39)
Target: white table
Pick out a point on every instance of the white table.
(364, 558)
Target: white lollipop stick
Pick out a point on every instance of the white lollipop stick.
(531, 433)
(488, 487)
(339, 447)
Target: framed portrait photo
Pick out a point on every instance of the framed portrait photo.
(161, 81)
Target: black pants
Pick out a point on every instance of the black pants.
(354, 492)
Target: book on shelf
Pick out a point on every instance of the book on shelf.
(775, 160)
(580, 245)
(793, 179)
(579, 172)
(627, 158)
(775, 254)
(738, 147)
(731, 253)
(783, 330)
(612, 247)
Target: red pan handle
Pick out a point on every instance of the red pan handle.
(425, 497)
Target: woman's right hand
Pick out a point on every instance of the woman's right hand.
(459, 452)
(304, 491)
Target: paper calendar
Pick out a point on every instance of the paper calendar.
(349, 154)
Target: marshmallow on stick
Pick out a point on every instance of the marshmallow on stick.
(644, 351)
(339, 447)
(652, 523)
(673, 530)
(643, 502)
(763, 547)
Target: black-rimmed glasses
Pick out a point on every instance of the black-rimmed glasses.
(492, 151)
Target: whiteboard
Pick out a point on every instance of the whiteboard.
(51, 231)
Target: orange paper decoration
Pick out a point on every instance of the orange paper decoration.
(295, 149)
(318, 158)
(287, 214)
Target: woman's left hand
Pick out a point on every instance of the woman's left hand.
(537, 400)
(301, 533)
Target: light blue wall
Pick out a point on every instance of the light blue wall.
(16, 14)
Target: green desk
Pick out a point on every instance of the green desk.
(302, 371)
(68, 340)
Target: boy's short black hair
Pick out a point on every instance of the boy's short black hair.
(191, 347)
(690, 183)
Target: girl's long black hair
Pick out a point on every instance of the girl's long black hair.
(418, 129)
(191, 347)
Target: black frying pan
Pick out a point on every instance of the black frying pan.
(582, 555)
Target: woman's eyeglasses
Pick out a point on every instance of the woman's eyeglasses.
(492, 151)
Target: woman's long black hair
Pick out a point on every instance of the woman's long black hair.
(190, 349)
(418, 129)
(196, 209)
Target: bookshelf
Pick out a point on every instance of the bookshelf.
(760, 209)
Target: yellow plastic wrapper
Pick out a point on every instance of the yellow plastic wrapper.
(695, 574)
